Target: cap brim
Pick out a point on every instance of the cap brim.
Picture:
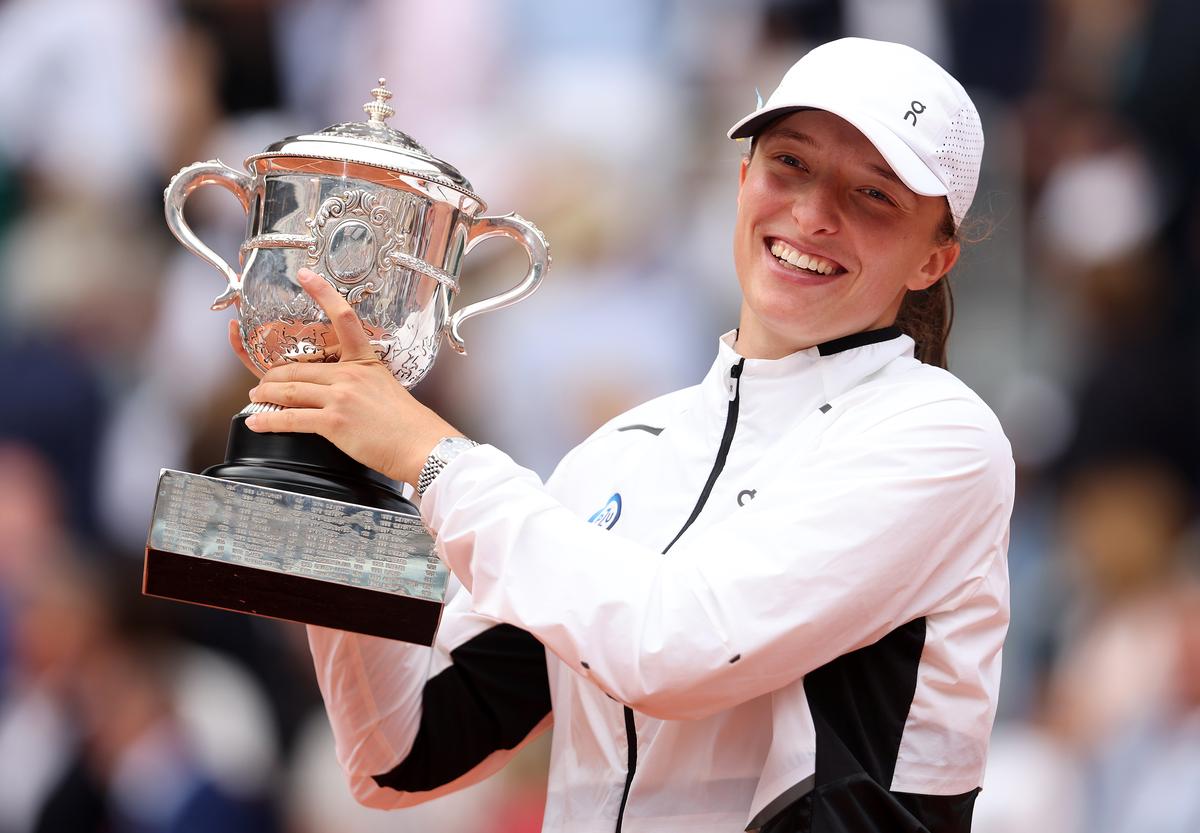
(902, 159)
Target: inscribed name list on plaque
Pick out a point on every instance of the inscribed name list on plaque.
(377, 569)
(289, 526)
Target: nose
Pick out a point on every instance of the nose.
(817, 209)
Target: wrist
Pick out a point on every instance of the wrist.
(440, 455)
(413, 443)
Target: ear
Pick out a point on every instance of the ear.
(941, 260)
(742, 169)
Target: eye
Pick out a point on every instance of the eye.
(789, 160)
(876, 194)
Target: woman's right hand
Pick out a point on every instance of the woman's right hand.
(235, 341)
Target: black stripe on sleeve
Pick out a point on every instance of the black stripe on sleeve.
(492, 696)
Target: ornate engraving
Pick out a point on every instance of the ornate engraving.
(295, 330)
(363, 205)
(275, 241)
(408, 358)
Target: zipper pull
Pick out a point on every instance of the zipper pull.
(735, 373)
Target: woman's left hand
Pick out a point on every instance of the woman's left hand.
(355, 403)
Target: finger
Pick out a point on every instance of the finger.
(317, 373)
(239, 349)
(291, 394)
(355, 344)
(290, 420)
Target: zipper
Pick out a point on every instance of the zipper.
(631, 767)
(731, 414)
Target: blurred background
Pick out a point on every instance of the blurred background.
(604, 123)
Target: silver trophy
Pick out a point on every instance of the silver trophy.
(289, 526)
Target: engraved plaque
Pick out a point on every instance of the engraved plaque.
(292, 556)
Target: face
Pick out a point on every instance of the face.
(816, 192)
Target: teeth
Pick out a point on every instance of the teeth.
(811, 263)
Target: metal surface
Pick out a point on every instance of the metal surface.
(375, 214)
(375, 143)
(284, 532)
(534, 242)
(212, 172)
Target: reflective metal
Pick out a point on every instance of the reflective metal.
(285, 532)
(379, 217)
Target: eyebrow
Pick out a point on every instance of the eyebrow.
(886, 173)
(795, 135)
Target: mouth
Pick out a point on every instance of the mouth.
(803, 263)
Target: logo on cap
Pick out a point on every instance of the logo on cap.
(914, 108)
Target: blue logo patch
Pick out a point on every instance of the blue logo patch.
(608, 514)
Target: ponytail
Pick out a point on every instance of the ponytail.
(926, 316)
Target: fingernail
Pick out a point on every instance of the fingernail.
(253, 391)
(304, 276)
(252, 421)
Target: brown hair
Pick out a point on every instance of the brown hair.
(926, 315)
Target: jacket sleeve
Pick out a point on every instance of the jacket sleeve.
(905, 518)
(411, 723)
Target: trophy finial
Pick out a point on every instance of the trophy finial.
(378, 109)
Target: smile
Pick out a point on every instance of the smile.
(795, 259)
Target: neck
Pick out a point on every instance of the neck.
(751, 348)
(756, 341)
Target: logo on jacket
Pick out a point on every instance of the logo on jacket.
(608, 514)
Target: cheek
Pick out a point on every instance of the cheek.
(743, 235)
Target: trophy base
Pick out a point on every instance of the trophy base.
(289, 527)
(308, 464)
(268, 593)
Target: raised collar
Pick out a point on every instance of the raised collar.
(792, 387)
(841, 345)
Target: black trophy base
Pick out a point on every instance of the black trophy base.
(304, 464)
(308, 464)
(203, 581)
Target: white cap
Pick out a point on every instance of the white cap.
(916, 115)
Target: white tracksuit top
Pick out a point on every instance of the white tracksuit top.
(775, 600)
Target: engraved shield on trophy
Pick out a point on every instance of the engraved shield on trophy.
(289, 526)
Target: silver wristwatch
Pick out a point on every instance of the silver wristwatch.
(446, 450)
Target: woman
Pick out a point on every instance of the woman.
(773, 601)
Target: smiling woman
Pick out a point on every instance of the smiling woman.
(915, 135)
(772, 601)
(828, 240)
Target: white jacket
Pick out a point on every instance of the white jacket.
(776, 599)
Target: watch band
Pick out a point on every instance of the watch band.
(446, 450)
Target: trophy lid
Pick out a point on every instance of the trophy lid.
(372, 142)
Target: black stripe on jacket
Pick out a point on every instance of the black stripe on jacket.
(860, 703)
(491, 697)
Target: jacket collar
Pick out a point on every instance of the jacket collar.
(783, 391)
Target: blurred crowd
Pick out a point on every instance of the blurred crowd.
(1077, 312)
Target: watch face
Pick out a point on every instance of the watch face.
(451, 447)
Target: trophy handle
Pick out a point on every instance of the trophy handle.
(529, 236)
(212, 172)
